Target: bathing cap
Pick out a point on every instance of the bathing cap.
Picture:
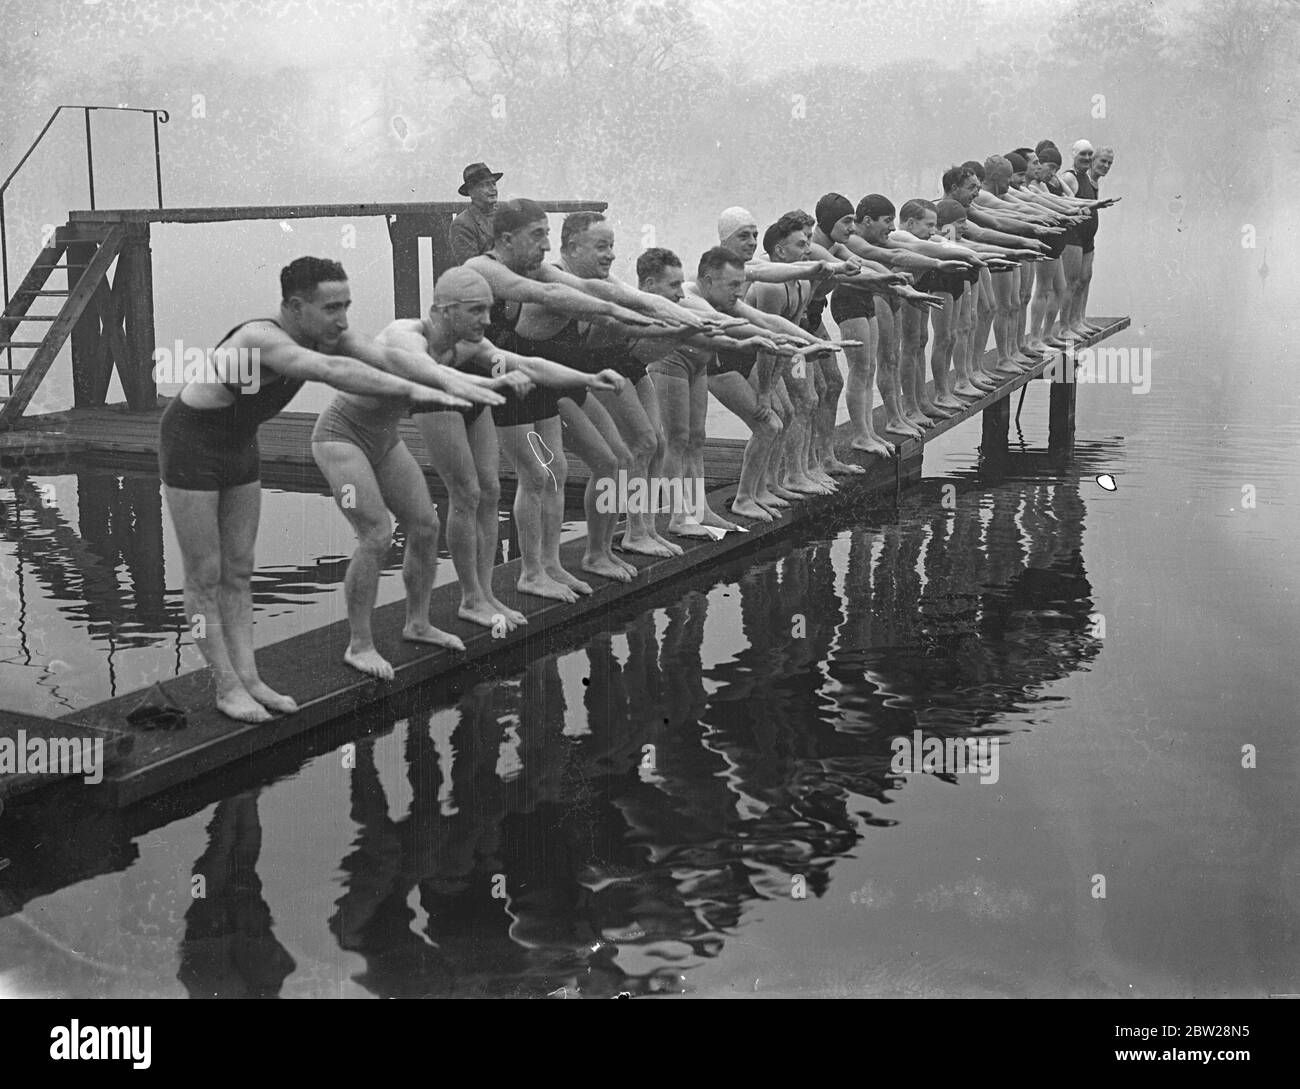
(1049, 155)
(732, 220)
(461, 285)
(831, 209)
(1080, 145)
(950, 211)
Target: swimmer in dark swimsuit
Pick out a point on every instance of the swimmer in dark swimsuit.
(679, 369)
(853, 311)
(518, 276)
(208, 456)
(873, 225)
(745, 384)
(920, 223)
(1081, 183)
(788, 472)
(587, 251)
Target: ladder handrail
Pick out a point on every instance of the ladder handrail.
(159, 116)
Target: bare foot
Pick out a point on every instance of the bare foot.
(632, 569)
(947, 400)
(673, 549)
(606, 568)
(901, 427)
(560, 575)
(269, 698)
(878, 447)
(485, 614)
(690, 528)
(844, 468)
(240, 706)
(776, 496)
(747, 508)
(424, 632)
(644, 546)
(513, 616)
(718, 522)
(545, 586)
(1007, 369)
(965, 389)
(370, 662)
(922, 421)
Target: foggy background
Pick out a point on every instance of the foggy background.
(670, 110)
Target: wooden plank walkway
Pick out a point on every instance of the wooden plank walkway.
(330, 690)
(18, 731)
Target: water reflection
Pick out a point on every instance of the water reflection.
(616, 855)
(229, 949)
(87, 613)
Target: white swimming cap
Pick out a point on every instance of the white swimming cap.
(1080, 145)
(732, 220)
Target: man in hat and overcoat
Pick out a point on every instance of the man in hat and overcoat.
(471, 231)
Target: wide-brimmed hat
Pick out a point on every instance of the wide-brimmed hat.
(475, 173)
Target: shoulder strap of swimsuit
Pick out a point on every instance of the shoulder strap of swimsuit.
(251, 321)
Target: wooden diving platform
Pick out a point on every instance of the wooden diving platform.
(330, 690)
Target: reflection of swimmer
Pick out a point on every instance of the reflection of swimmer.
(229, 949)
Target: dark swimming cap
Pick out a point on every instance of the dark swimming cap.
(950, 211)
(1018, 162)
(1038, 147)
(831, 209)
(976, 166)
(1049, 155)
(510, 215)
(873, 206)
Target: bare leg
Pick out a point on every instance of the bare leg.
(238, 513)
(1072, 265)
(697, 436)
(645, 390)
(640, 437)
(736, 395)
(541, 470)
(346, 466)
(401, 483)
(592, 443)
(985, 312)
(862, 377)
(195, 517)
(890, 379)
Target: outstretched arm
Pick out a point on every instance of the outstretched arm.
(561, 297)
(405, 353)
(286, 356)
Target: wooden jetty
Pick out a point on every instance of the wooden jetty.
(331, 691)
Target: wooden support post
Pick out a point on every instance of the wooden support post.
(1060, 417)
(136, 370)
(440, 233)
(85, 334)
(997, 418)
(404, 233)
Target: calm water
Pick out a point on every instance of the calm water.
(699, 799)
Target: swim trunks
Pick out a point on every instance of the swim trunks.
(211, 449)
(682, 362)
(362, 422)
(542, 402)
(850, 302)
(733, 362)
